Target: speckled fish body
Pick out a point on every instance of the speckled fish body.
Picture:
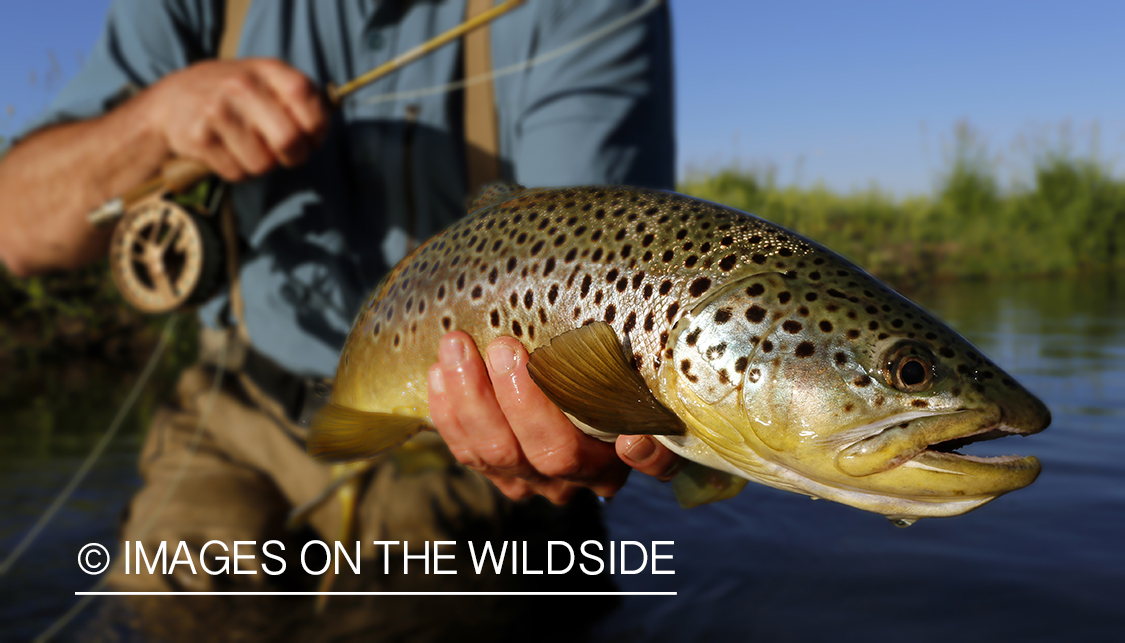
(786, 364)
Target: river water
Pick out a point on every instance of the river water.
(1046, 563)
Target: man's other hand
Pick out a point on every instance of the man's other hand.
(241, 118)
(495, 420)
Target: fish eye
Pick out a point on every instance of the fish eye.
(909, 367)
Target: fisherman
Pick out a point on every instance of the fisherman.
(325, 204)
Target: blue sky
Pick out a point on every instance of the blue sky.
(848, 93)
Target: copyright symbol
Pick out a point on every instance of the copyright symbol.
(93, 559)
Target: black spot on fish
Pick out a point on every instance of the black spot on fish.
(528, 299)
(586, 281)
(494, 317)
(672, 310)
(784, 297)
(553, 294)
(610, 313)
(666, 287)
(805, 349)
(767, 346)
(841, 358)
(693, 336)
(446, 322)
(740, 364)
(853, 334)
(517, 329)
(668, 256)
(647, 291)
(716, 351)
(728, 262)
(755, 314)
(650, 319)
(461, 281)
(755, 290)
(862, 380)
(722, 315)
(630, 323)
(492, 276)
(691, 261)
(571, 255)
(699, 286)
(792, 327)
(685, 368)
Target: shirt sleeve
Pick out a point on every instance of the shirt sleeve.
(600, 113)
(143, 41)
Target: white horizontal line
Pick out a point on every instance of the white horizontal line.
(375, 593)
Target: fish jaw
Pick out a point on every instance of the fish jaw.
(912, 457)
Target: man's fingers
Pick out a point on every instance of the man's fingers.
(259, 106)
(550, 442)
(486, 440)
(241, 141)
(645, 454)
(299, 96)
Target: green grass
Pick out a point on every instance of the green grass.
(1068, 218)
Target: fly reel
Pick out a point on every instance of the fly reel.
(165, 256)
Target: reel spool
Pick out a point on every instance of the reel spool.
(165, 256)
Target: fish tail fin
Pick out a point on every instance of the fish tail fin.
(340, 433)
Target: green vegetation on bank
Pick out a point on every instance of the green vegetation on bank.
(1068, 218)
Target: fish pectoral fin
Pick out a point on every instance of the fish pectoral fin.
(588, 375)
(341, 434)
(697, 485)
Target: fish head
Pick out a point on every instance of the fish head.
(833, 385)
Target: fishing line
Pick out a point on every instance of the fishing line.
(97, 451)
(577, 43)
(196, 438)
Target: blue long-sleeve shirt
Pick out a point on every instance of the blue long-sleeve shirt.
(318, 237)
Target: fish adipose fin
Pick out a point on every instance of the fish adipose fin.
(492, 193)
(697, 485)
(341, 434)
(588, 374)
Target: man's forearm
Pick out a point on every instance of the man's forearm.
(51, 180)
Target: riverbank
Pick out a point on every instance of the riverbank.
(1069, 218)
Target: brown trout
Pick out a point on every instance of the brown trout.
(755, 353)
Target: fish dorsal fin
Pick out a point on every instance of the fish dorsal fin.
(492, 193)
(340, 433)
(588, 375)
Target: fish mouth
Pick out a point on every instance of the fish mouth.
(945, 455)
(922, 457)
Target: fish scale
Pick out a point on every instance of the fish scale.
(749, 332)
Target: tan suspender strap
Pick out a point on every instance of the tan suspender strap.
(228, 50)
(232, 28)
(482, 136)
